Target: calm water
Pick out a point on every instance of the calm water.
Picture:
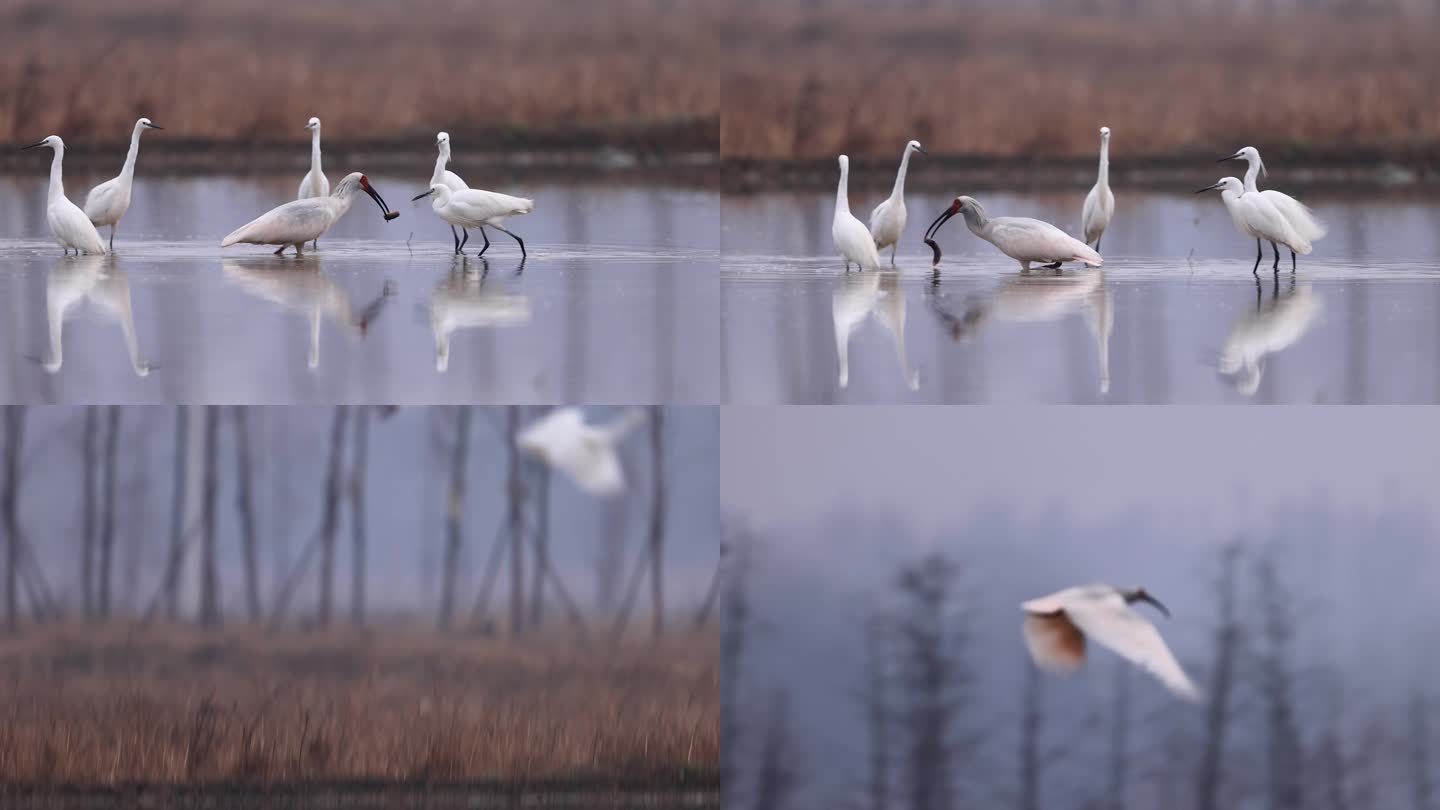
(616, 302)
(1175, 316)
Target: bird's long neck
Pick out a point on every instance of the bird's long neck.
(842, 196)
(1104, 164)
(128, 171)
(315, 151)
(57, 184)
(440, 161)
(898, 192)
(1251, 173)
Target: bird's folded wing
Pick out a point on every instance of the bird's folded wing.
(1116, 626)
(1054, 643)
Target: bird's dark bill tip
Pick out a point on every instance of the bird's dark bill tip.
(934, 247)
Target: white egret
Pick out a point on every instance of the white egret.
(72, 229)
(475, 208)
(1300, 217)
(98, 279)
(1257, 217)
(109, 201)
(584, 452)
(1021, 238)
(315, 183)
(308, 292)
(465, 301)
(887, 221)
(852, 240)
(445, 176)
(1258, 335)
(860, 295)
(301, 221)
(1100, 202)
(1056, 627)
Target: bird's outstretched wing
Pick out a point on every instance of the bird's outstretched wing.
(1054, 643)
(1113, 624)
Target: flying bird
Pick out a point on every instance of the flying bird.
(584, 452)
(1056, 627)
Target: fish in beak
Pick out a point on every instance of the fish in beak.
(935, 228)
(380, 201)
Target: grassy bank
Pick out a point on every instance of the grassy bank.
(177, 707)
(811, 82)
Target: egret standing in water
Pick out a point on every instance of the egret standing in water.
(301, 221)
(476, 208)
(443, 175)
(1056, 627)
(1257, 217)
(887, 221)
(1021, 238)
(1300, 217)
(109, 201)
(72, 229)
(315, 184)
(852, 240)
(1100, 202)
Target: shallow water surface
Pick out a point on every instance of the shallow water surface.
(1176, 314)
(615, 302)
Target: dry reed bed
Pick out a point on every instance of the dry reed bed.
(175, 706)
(239, 69)
(808, 83)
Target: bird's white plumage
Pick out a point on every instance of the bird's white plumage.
(315, 183)
(475, 208)
(861, 295)
(887, 221)
(302, 290)
(1024, 239)
(466, 301)
(108, 202)
(585, 453)
(1256, 336)
(1099, 206)
(72, 229)
(441, 174)
(852, 239)
(1258, 218)
(1300, 217)
(300, 221)
(1100, 612)
(97, 279)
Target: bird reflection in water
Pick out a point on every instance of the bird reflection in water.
(860, 295)
(308, 291)
(470, 300)
(1033, 299)
(1269, 329)
(99, 280)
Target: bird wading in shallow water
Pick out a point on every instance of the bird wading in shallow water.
(1258, 218)
(1021, 238)
(72, 229)
(315, 183)
(301, 221)
(109, 201)
(1296, 213)
(887, 221)
(852, 239)
(1100, 202)
(1056, 627)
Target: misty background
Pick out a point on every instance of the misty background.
(1296, 549)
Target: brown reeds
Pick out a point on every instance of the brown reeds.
(178, 706)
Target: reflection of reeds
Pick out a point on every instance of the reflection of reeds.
(178, 706)
(806, 82)
(261, 68)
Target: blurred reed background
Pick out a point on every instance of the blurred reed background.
(809, 80)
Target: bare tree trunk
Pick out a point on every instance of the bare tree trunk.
(330, 526)
(1120, 738)
(1277, 690)
(358, 466)
(735, 606)
(1031, 731)
(177, 513)
(775, 780)
(657, 521)
(245, 504)
(1217, 715)
(610, 561)
(455, 511)
(9, 512)
(933, 679)
(516, 520)
(209, 565)
(542, 545)
(89, 455)
(875, 700)
(107, 513)
(713, 594)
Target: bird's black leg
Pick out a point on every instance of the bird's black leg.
(454, 234)
(1053, 266)
(463, 241)
(518, 240)
(279, 250)
(112, 237)
(1276, 248)
(487, 242)
(1292, 261)
(1259, 254)
(1097, 243)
